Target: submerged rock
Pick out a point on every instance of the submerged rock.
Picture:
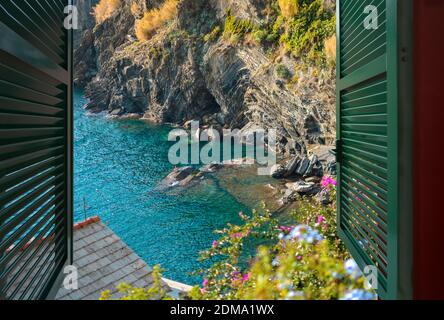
(131, 116)
(211, 168)
(192, 178)
(179, 176)
(239, 162)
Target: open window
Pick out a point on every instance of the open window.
(35, 148)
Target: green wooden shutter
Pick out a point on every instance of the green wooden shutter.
(35, 147)
(367, 137)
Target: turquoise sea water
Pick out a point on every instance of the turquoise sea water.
(117, 167)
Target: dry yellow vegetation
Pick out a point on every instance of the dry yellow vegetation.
(330, 48)
(154, 19)
(136, 9)
(289, 8)
(105, 9)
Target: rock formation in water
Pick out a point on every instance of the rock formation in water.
(189, 71)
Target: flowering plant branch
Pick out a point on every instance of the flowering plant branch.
(303, 260)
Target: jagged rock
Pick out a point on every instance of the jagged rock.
(84, 58)
(313, 161)
(130, 116)
(115, 112)
(323, 197)
(302, 187)
(292, 165)
(313, 179)
(187, 124)
(289, 197)
(314, 168)
(85, 19)
(278, 171)
(220, 118)
(326, 158)
(195, 177)
(302, 167)
(330, 167)
(292, 147)
(179, 176)
(181, 173)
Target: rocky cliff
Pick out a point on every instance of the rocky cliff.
(188, 70)
(85, 18)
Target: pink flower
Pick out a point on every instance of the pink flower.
(235, 278)
(215, 244)
(246, 277)
(321, 219)
(285, 229)
(236, 235)
(205, 282)
(327, 182)
(202, 290)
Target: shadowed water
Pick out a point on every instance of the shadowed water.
(118, 165)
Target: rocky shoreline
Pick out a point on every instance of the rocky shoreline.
(178, 76)
(295, 178)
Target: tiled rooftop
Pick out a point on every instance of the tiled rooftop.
(103, 261)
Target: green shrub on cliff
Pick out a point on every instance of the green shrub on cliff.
(237, 28)
(307, 31)
(261, 35)
(300, 26)
(213, 35)
(283, 72)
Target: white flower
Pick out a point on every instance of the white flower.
(358, 294)
(352, 268)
